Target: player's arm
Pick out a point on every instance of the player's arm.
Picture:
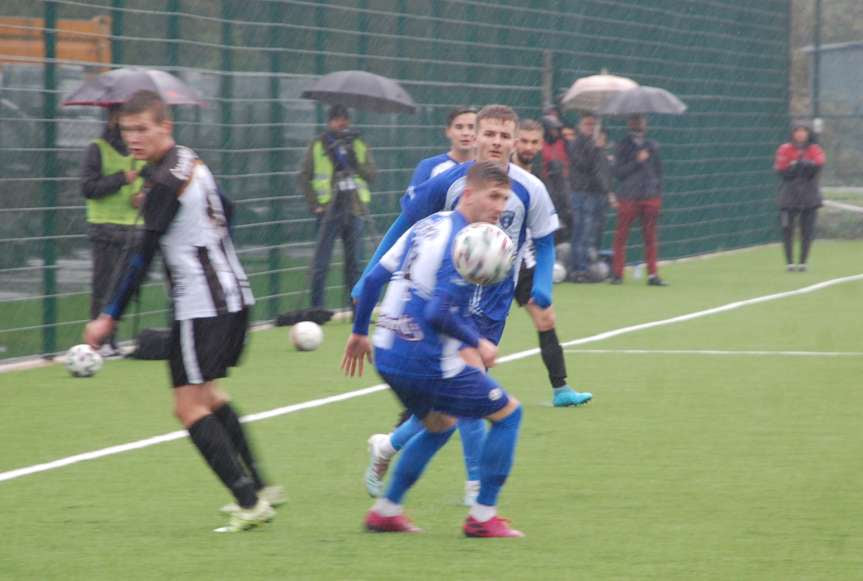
(159, 212)
(419, 202)
(540, 293)
(358, 347)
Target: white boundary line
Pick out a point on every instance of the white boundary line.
(843, 206)
(36, 468)
(717, 352)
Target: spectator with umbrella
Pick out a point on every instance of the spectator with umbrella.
(638, 169)
(338, 167)
(110, 179)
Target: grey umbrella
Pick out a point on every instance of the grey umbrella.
(361, 90)
(115, 88)
(643, 100)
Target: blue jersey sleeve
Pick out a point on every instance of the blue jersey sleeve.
(423, 171)
(426, 198)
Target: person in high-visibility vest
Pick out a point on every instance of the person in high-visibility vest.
(112, 187)
(335, 180)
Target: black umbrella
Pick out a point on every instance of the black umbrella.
(361, 90)
(117, 86)
(643, 100)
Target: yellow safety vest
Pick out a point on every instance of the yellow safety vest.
(322, 182)
(115, 208)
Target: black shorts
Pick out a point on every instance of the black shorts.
(202, 350)
(524, 285)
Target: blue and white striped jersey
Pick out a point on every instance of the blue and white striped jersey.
(421, 263)
(529, 209)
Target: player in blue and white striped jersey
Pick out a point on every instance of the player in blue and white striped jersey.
(461, 132)
(424, 344)
(529, 209)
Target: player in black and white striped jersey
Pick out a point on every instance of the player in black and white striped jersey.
(186, 221)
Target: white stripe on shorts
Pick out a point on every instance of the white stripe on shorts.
(190, 357)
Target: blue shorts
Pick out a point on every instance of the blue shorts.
(489, 328)
(470, 394)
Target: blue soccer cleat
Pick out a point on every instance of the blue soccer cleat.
(567, 397)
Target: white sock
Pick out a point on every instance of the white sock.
(385, 507)
(387, 449)
(482, 512)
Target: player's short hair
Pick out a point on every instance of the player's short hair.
(501, 112)
(529, 125)
(487, 172)
(143, 101)
(456, 112)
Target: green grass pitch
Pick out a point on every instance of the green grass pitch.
(685, 466)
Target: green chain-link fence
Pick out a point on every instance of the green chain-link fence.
(728, 59)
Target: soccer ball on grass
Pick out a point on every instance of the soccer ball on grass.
(83, 361)
(482, 253)
(307, 336)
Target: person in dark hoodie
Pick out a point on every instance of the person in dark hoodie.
(638, 170)
(799, 164)
(588, 175)
(112, 187)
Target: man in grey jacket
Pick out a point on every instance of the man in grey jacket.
(639, 195)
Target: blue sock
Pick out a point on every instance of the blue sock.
(497, 456)
(472, 432)
(402, 434)
(413, 460)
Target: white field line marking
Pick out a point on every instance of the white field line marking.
(718, 352)
(28, 470)
(843, 206)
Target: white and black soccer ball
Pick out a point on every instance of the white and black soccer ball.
(559, 273)
(83, 361)
(307, 336)
(482, 253)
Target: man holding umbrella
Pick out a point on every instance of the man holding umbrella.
(110, 183)
(638, 169)
(335, 180)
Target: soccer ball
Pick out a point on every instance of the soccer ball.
(599, 271)
(563, 251)
(559, 273)
(482, 253)
(82, 361)
(307, 336)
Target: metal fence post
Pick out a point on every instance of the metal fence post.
(49, 184)
(226, 87)
(117, 42)
(277, 162)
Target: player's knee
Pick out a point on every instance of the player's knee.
(435, 422)
(544, 319)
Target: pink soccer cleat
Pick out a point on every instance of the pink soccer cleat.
(494, 527)
(389, 524)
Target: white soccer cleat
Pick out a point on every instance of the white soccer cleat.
(275, 495)
(380, 454)
(471, 491)
(245, 519)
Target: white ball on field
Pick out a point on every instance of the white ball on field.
(307, 336)
(482, 253)
(599, 270)
(559, 273)
(83, 361)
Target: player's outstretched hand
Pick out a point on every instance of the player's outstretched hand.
(357, 349)
(98, 330)
(488, 352)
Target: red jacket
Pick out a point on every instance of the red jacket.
(799, 168)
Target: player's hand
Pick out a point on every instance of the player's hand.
(138, 200)
(131, 176)
(98, 330)
(358, 348)
(642, 155)
(487, 352)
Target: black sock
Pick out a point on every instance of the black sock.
(552, 356)
(231, 422)
(212, 440)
